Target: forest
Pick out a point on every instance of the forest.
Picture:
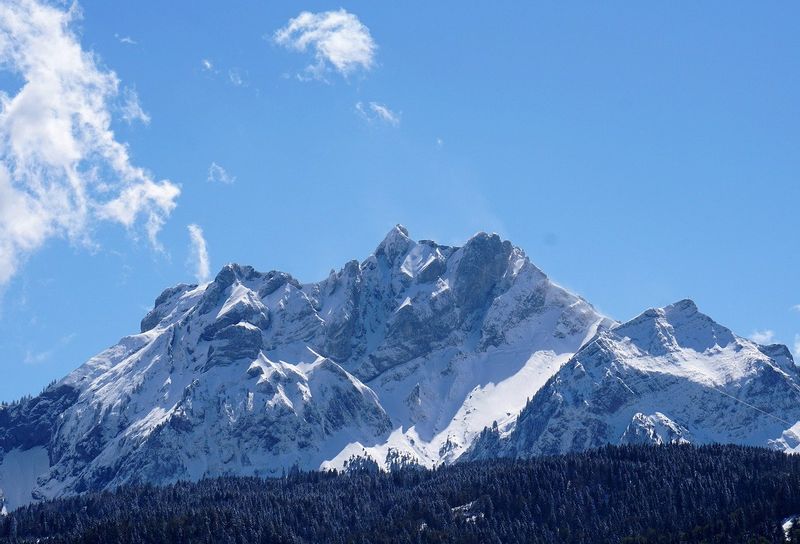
(620, 494)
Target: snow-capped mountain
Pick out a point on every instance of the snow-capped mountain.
(422, 352)
(669, 375)
(405, 356)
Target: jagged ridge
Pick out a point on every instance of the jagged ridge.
(670, 375)
(406, 355)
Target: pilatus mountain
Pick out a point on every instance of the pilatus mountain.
(419, 354)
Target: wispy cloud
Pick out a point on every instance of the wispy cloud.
(198, 254)
(385, 113)
(373, 111)
(132, 109)
(763, 337)
(235, 77)
(338, 40)
(218, 174)
(127, 40)
(61, 167)
(796, 307)
(39, 357)
(797, 346)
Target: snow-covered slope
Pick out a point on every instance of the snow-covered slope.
(669, 375)
(407, 355)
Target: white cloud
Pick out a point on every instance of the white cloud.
(235, 77)
(796, 307)
(35, 358)
(439, 143)
(208, 66)
(155, 200)
(763, 337)
(797, 346)
(385, 113)
(337, 38)
(125, 39)
(198, 254)
(132, 110)
(373, 111)
(216, 173)
(61, 167)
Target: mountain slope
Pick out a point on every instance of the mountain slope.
(671, 375)
(405, 356)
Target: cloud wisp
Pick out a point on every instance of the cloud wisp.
(235, 77)
(763, 337)
(132, 109)
(39, 357)
(338, 40)
(62, 170)
(217, 174)
(198, 254)
(127, 40)
(374, 111)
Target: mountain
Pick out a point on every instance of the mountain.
(403, 357)
(421, 353)
(671, 375)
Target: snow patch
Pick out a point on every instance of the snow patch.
(787, 525)
(18, 473)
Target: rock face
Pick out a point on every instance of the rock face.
(669, 375)
(406, 355)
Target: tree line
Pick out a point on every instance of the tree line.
(619, 494)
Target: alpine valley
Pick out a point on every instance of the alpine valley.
(420, 354)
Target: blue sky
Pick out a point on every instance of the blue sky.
(639, 153)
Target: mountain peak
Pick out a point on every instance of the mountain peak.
(401, 229)
(686, 305)
(674, 315)
(395, 243)
(678, 325)
(681, 310)
(395, 234)
(233, 271)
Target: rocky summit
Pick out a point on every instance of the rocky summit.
(421, 353)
